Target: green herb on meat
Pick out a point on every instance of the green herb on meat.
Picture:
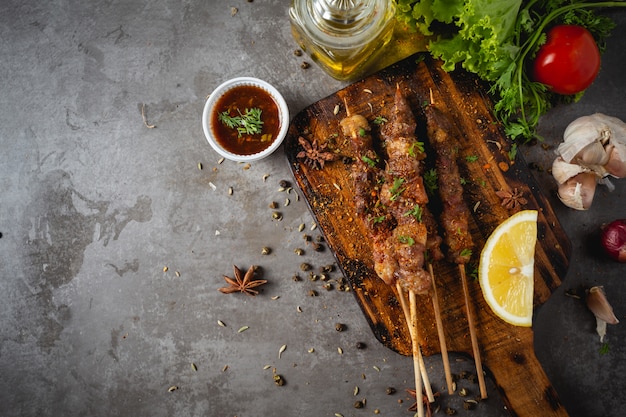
(396, 189)
(416, 212)
(430, 180)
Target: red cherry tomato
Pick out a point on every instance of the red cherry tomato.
(569, 61)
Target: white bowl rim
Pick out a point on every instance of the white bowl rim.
(283, 111)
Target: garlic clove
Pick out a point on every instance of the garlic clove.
(599, 305)
(578, 191)
(594, 154)
(563, 171)
(580, 133)
(616, 165)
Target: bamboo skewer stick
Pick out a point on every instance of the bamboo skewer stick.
(416, 353)
(419, 365)
(474, 339)
(442, 338)
(417, 369)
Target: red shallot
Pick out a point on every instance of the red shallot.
(614, 239)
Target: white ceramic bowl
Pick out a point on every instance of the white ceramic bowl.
(283, 112)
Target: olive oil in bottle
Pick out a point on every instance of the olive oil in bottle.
(342, 36)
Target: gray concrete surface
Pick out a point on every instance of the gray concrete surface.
(94, 204)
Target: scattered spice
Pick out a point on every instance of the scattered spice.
(429, 410)
(245, 284)
(340, 327)
(145, 120)
(281, 350)
(172, 388)
(315, 154)
(512, 199)
(305, 65)
(278, 379)
(243, 329)
(470, 404)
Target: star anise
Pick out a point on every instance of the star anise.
(425, 401)
(315, 154)
(512, 199)
(243, 284)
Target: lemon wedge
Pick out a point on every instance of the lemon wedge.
(506, 268)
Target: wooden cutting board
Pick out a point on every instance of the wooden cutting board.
(507, 351)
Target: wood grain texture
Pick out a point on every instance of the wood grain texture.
(507, 351)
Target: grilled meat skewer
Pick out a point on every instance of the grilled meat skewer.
(365, 177)
(455, 214)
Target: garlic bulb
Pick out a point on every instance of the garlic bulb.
(593, 148)
(578, 191)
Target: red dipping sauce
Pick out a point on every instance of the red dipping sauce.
(236, 101)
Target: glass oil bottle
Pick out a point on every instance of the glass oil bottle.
(342, 36)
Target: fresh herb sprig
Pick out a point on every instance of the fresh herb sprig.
(248, 123)
(497, 39)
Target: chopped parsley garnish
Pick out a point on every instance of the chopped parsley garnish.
(512, 152)
(416, 212)
(395, 188)
(407, 240)
(377, 219)
(419, 146)
(379, 120)
(430, 180)
(369, 161)
(471, 158)
(249, 122)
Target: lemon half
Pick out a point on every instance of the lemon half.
(506, 268)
